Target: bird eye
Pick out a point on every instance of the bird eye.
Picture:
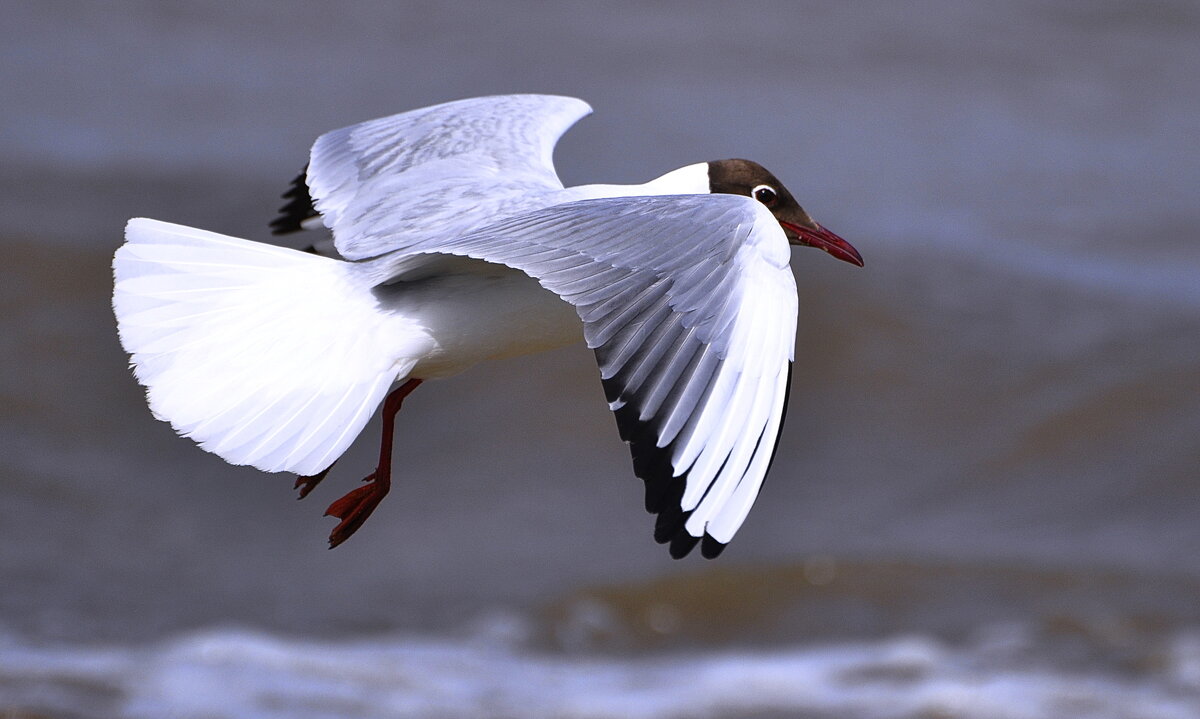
(765, 194)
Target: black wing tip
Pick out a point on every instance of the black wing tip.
(669, 526)
(299, 207)
(711, 548)
(650, 462)
(682, 543)
(664, 490)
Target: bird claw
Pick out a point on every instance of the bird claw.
(308, 483)
(354, 509)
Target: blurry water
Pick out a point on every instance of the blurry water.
(632, 652)
(219, 674)
(996, 420)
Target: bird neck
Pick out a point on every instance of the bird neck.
(689, 180)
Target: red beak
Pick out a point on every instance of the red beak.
(823, 239)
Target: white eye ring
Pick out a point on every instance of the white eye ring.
(765, 194)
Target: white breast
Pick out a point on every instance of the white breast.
(474, 311)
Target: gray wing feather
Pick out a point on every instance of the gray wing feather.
(690, 307)
(384, 184)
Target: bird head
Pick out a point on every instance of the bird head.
(743, 177)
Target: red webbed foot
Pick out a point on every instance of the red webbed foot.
(354, 508)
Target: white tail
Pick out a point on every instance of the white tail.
(263, 355)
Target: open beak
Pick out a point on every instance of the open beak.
(822, 239)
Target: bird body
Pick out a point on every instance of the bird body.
(475, 311)
(457, 244)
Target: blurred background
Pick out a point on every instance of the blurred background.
(985, 501)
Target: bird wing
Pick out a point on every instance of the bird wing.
(690, 307)
(384, 184)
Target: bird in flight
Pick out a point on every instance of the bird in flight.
(454, 243)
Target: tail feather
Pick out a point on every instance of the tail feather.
(263, 355)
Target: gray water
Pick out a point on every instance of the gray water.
(985, 503)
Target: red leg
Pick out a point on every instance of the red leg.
(354, 508)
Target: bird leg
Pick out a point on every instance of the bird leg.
(354, 508)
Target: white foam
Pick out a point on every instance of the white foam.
(226, 673)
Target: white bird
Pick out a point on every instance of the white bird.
(457, 243)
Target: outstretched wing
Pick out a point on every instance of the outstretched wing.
(384, 184)
(690, 307)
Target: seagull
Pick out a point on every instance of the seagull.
(455, 243)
